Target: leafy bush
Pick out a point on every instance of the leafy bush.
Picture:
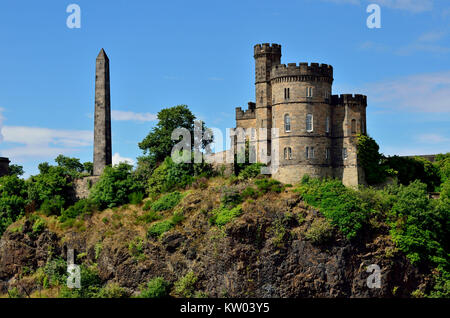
(223, 215)
(370, 158)
(159, 228)
(149, 217)
(136, 198)
(320, 232)
(81, 207)
(91, 284)
(167, 202)
(250, 171)
(157, 287)
(269, 185)
(249, 192)
(185, 286)
(169, 176)
(230, 197)
(341, 205)
(114, 187)
(53, 205)
(13, 200)
(38, 226)
(112, 290)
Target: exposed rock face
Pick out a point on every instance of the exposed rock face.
(246, 258)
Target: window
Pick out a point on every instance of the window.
(344, 153)
(287, 123)
(286, 93)
(288, 153)
(309, 152)
(353, 126)
(327, 125)
(309, 92)
(362, 127)
(309, 122)
(327, 95)
(327, 153)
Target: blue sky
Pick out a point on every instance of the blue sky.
(199, 53)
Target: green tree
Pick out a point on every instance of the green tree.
(13, 199)
(88, 167)
(115, 186)
(371, 160)
(16, 170)
(72, 165)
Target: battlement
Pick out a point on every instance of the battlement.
(266, 48)
(349, 99)
(247, 114)
(292, 69)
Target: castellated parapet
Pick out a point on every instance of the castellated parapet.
(317, 130)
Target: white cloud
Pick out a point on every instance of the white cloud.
(116, 159)
(433, 138)
(43, 142)
(132, 116)
(414, 6)
(419, 93)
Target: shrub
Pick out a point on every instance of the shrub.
(249, 192)
(149, 217)
(38, 226)
(223, 215)
(269, 185)
(159, 228)
(81, 207)
(53, 205)
(13, 199)
(250, 171)
(167, 202)
(136, 197)
(185, 286)
(157, 287)
(112, 290)
(230, 197)
(114, 187)
(320, 232)
(341, 205)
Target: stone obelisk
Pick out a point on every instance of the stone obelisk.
(102, 129)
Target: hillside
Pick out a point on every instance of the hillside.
(215, 238)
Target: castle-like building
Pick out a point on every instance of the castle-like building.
(317, 131)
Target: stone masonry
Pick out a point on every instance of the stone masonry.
(317, 130)
(102, 130)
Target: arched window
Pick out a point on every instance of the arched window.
(309, 123)
(287, 153)
(287, 123)
(353, 126)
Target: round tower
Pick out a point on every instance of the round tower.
(302, 112)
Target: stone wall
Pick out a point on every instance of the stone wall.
(82, 187)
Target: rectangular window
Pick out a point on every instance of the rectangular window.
(286, 93)
(327, 153)
(344, 153)
(309, 123)
(307, 153)
(311, 153)
(309, 92)
(327, 125)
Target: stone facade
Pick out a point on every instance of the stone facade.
(4, 166)
(316, 130)
(102, 130)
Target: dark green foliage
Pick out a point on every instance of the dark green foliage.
(136, 197)
(72, 165)
(13, 200)
(81, 207)
(56, 272)
(54, 183)
(249, 192)
(16, 170)
(53, 205)
(341, 205)
(269, 185)
(230, 197)
(88, 168)
(114, 187)
(370, 159)
(91, 284)
(167, 202)
(169, 176)
(411, 169)
(157, 287)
